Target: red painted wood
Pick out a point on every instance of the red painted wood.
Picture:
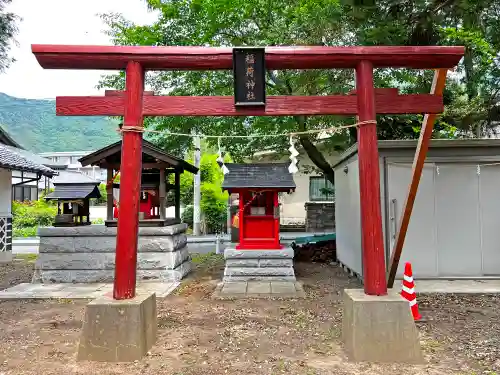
(381, 91)
(261, 227)
(369, 185)
(213, 58)
(224, 105)
(241, 219)
(90, 105)
(276, 220)
(130, 186)
(122, 93)
(258, 231)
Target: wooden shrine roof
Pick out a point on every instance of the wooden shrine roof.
(74, 191)
(258, 176)
(111, 155)
(214, 58)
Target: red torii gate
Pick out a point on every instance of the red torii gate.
(135, 103)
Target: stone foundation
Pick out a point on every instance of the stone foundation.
(118, 330)
(320, 216)
(379, 328)
(259, 265)
(87, 254)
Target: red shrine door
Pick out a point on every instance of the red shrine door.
(259, 223)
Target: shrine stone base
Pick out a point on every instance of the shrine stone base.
(87, 254)
(259, 265)
(118, 330)
(379, 328)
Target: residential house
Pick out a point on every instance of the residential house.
(14, 159)
(70, 160)
(311, 205)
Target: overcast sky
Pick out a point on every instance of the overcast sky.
(61, 22)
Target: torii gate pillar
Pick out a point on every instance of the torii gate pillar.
(372, 241)
(130, 185)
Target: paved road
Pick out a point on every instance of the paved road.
(202, 244)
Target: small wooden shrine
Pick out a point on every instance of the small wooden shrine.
(157, 165)
(73, 191)
(258, 217)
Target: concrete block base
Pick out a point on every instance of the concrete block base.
(118, 330)
(87, 254)
(379, 329)
(259, 265)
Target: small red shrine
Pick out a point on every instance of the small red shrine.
(156, 165)
(258, 186)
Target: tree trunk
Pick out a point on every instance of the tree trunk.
(314, 154)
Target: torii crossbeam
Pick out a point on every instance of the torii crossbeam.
(135, 103)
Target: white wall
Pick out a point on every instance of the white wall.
(5, 192)
(293, 205)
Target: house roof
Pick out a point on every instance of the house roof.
(73, 177)
(74, 191)
(262, 175)
(14, 156)
(22, 160)
(150, 154)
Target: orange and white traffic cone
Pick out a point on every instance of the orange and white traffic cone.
(408, 291)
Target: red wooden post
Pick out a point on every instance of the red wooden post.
(369, 184)
(130, 185)
(276, 219)
(241, 195)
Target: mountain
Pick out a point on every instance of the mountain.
(34, 125)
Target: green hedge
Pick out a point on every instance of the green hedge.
(31, 214)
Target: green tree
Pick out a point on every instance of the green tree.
(8, 29)
(314, 22)
(213, 199)
(472, 95)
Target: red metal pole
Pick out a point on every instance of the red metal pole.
(130, 185)
(369, 184)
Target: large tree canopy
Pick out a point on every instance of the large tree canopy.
(471, 96)
(8, 30)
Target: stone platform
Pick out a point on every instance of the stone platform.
(87, 254)
(379, 328)
(259, 289)
(80, 291)
(118, 330)
(259, 265)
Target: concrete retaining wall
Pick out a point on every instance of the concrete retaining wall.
(248, 265)
(87, 254)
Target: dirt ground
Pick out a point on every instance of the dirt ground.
(198, 335)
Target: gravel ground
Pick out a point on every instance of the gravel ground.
(198, 335)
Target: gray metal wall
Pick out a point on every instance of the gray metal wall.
(455, 226)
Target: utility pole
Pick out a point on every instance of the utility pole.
(197, 187)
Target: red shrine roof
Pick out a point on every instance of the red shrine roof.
(214, 58)
(258, 176)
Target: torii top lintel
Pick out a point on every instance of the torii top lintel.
(215, 58)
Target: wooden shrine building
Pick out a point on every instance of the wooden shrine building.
(258, 186)
(157, 165)
(73, 191)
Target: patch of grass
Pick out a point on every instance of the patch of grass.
(25, 232)
(182, 288)
(27, 257)
(431, 345)
(207, 260)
